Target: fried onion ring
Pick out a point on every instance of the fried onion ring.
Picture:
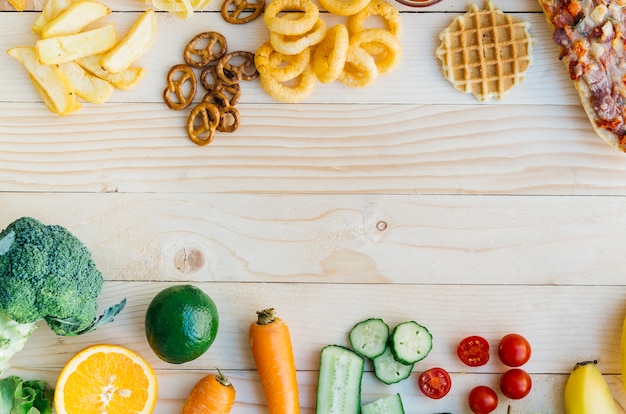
(344, 7)
(294, 44)
(278, 65)
(389, 14)
(360, 69)
(390, 55)
(329, 55)
(275, 22)
(303, 86)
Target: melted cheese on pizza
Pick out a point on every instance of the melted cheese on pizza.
(592, 35)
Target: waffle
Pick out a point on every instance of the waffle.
(485, 52)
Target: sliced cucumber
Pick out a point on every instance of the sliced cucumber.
(410, 342)
(339, 384)
(389, 370)
(387, 405)
(369, 338)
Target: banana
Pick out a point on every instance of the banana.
(586, 391)
(623, 354)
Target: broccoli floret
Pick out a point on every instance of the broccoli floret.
(47, 273)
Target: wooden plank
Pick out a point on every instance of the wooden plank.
(350, 239)
(564, 324)
(350, 148)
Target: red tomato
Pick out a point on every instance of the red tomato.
(435, 383)
(514, 350)
(473, 351)
(482, 400)
(515, 383)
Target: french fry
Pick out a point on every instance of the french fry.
(89, 87)
(133, 45)
(124, 80)
(50, 11)
(19, 5)
(61, 49)
(51, 83)
(75, 18)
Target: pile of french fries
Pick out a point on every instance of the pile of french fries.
(75, 58)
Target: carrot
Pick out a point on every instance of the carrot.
(212, 394)
(272, 351)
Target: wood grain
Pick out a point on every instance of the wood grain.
(404, 200)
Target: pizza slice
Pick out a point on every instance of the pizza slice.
(592, 38)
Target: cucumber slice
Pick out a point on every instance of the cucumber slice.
(410, 342)
(369, 338)
(390, 371)
(339, 383)
(387, 405)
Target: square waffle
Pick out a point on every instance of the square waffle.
(485, 52)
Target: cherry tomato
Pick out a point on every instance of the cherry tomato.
(435, 383)
(515, 383)
(473, 351)
(482, 400)
(514, 350)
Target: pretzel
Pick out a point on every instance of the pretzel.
(280, 66)
(329, 56)
(208, 115)
(214, 48)
(234, 17)
(177, 79)
(211, 82)
(287, 25)
(230, 74)
(229, 115)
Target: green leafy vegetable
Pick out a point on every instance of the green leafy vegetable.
(25, 397)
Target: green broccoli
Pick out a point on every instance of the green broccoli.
(46, 273)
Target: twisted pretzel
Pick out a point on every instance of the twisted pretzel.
(174, 94)
(241, 6)
(214, 48)
(229, 115)
(202, 123)
(231, 74)
(211, 82)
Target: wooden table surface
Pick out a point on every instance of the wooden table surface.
(406, 200)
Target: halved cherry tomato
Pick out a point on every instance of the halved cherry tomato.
(515, 383)
(482, 400)
(473, 351)
(435, 383)
(514, 350)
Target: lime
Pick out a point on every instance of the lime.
(181, 323)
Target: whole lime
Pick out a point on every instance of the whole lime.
(181, 323)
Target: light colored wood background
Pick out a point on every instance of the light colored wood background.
(405, 200)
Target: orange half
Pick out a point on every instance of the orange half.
(106, 379)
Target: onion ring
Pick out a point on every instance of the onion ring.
(389, 14)
(344, 7)
(278, 65)
(388, 59)
(360, 69)
(294, 44)
(304, 84)
(290, 26)
(329, 55)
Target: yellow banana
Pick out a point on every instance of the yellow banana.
(623, 354)
(586, 391)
